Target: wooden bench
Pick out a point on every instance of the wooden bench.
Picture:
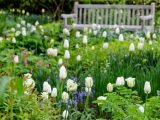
(132, 17)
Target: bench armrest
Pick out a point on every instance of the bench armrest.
(69, 16)
(66, 16)
(147, 17)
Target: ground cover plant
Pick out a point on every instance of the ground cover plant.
(50, 72)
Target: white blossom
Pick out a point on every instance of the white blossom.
(147, 87)
(88, 82)
(62, 72)
(132, 47)
(67, 54)
(65, 114)
(120, 81)
(54, 92)
(65, 96)
(109, 87)
(130, 82)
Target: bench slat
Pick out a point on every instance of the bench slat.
(93, 16)
(80, 16)
(106, 17)
(115, 16)
(124, 17)
(137, 16)
(129, 14)
(119, 16)
(133, 16)
(102, 16)
(84, 16)
(97, 16)
(89, 16)
(110, 22)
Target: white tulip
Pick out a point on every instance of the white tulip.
(117, 30)
(28, 25)
(44, 95)
(62, 72)
(16, 59)
(65, 96)
(90, 31)
(150, 42)
(105, 45)
(66, 44)
(104, 34)
(27, 13)
(46, 87)
(95, 32)
(78, 34)
(92, 47)
(78, 58)
(88, 82)
(71, 85)
(98, 27)
(52, 52)
(131, 47)
(65, 114)
(67, 54)
(36, 23)
(120, 81)
(66, 32)
(54, 92)
(141, 109)
(77, 46)
(130, 82)
(1, 38)
(101, 98)
(84, 39)
(13, 29)
(60, 61)
(18, 25)
(121, 38)
(23, 22)
(17, 33)
(147, 87)
(109, 87)
(154, 36)
(140, 45)
(24, 33)
(85, 29)
(13, 40)
(33, 28)
(141, 39)
(148, 35)
(23, 11)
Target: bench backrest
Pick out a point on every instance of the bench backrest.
(112, 14)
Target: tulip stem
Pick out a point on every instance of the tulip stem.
(146, 102)
(87, 99)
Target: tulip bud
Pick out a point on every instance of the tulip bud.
(88, 82)
(84, 39)
(140, 46)
(60, 61)
(104, 34)
(78, 58)
(54, 92)
(78, 34)
(105, 45)
(147, 87)
(141, 109)
(121, 38)
(120, 81)
(131, 47)
(130, 82)
(109, 87)
(62, 73)
(16, 59)
(66, 44)
(46, 87)
(67, 54)
(65, 114)
(117, 30)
